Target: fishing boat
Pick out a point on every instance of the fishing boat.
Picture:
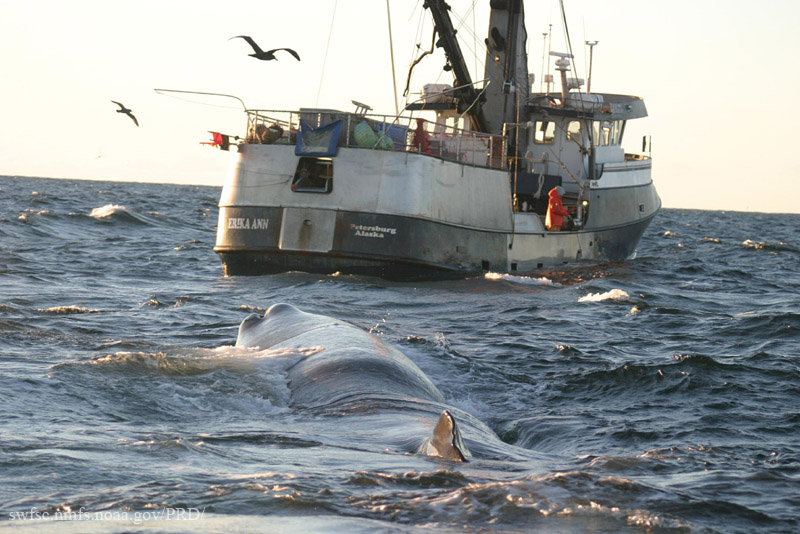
(457, 183)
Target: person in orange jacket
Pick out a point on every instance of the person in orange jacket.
(555, 210)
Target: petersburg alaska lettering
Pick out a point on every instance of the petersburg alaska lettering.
(372, 231)
(244, 223)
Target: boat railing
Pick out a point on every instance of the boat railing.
(381, 132)
(637, 158)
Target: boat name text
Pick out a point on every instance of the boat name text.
(244, 223)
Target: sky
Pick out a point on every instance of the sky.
(720, 81)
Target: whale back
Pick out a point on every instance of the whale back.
(349, 362)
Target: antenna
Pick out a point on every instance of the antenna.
(591, 45)
(544, 53)
(549, 47)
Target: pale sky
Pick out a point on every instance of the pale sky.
(720, 81)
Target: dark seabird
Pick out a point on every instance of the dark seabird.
(260, 54)
(126, 111)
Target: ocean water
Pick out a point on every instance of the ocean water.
(660, 394)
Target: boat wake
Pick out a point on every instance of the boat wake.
(543, 281)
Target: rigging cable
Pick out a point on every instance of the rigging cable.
(391, 52)
(327, 48)
(461, 24)
(566, 28)
(163, 91)
(474, 39)
(415, 62)
(477, 98)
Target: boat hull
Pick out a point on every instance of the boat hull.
(403, 215)
(397, 247)
(328, 241)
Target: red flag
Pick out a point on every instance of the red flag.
(220, 140)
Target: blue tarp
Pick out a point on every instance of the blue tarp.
(320, 141)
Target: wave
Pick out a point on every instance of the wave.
(253, 309)
(579, 501)
(116, 212)
(780, 246)
(107, 211)
(26, 215)
(201, 361)
(757, 326)
(166, 385)
(67, 310)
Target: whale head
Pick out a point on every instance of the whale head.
(280, 323)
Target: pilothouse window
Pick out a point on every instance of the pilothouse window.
(545, 133)
(604, 134)
(608, 132)
(313, 175)
(574, 131)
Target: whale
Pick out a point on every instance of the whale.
(347, 372)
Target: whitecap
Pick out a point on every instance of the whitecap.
(758, 245)
(153, 303)
(23, 216)
(106, 211)
(67, 310)
(253, 309)
(543, 281)
(614, 294)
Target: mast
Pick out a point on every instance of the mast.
(469, 100)
(506, 65)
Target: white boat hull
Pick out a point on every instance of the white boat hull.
(401, 214)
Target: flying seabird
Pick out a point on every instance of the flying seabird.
(126, 111)
(260, 54)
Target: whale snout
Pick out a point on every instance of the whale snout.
(279, 322)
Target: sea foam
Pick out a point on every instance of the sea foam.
(614, 294)
(543, 281)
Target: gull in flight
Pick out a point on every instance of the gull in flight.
(126, 111)
(260, 54)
